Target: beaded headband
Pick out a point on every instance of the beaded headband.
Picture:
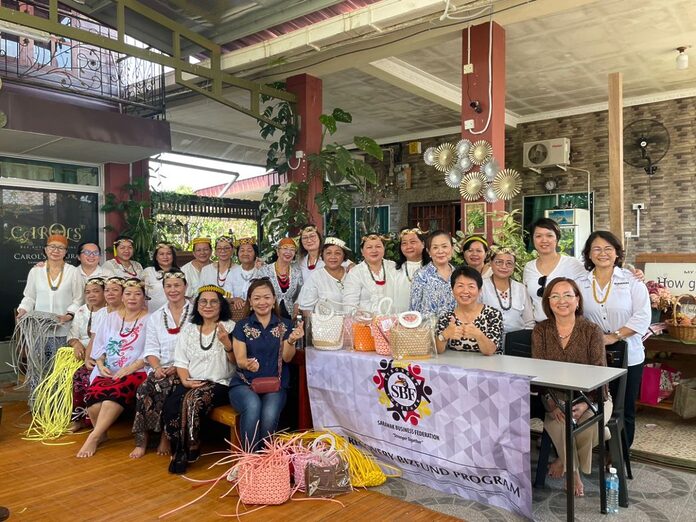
(115, 280)
(336, 242)
(245, 241)
(199, 240)
(100, 281)
(373, 236)
(226, 239)
(214, 288)
(134, 282)
(174, 275)
(287, 242)
(163, 245)
(416, 230)
(495, 250)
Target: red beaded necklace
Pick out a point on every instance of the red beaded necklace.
(134, 273)
(184, 315)
(383, 281)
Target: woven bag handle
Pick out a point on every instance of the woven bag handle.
(314, 446)
(318, 309)
(378, 307)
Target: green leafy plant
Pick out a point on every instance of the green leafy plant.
(282, 208)
(139, 225)
(281, 151)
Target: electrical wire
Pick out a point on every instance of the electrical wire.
(490, 77)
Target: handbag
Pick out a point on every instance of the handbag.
(327, 328)
(261, 385)
(657, 383)
(362, 334)
(412, 337)
(317, 454)
(264, 481)
(327, 480)
(685, 399)
(381, 325)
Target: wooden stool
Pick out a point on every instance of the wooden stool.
(227, 416)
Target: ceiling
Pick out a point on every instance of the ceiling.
(395, 65)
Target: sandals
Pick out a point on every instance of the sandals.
(178, 464)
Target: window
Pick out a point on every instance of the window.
(367, 219)
(32, 170)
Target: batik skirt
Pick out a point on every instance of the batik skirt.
(149, 403)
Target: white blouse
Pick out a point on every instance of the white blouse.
(363, 292)
(193, 278)
(322, 285)
(136, 269)
(241, 279)
(205, 365)
(154, 289)
(100, 271)
(520, 315)
(39, 297)
(567, 267)
(158, 341)
(627, 304)
(81, 324)
(402, 291)
(209, 276)
(122, 348)
(304, 266)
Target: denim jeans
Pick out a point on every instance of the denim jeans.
(259, 414)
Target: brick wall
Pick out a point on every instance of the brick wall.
(668, 223)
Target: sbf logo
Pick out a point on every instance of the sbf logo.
(403, 391)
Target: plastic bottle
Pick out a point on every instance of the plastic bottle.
(300, 344)
(612, 492)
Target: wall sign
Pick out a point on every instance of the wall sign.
(27, 217)
(678, 278)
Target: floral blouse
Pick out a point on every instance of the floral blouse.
(430, 294)
(489, 321)
(288, 297)
(263, 344)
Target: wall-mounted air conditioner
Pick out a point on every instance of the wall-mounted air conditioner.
(546, 153)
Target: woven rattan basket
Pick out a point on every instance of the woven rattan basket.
(683, 306)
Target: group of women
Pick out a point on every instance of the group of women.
(175, 360)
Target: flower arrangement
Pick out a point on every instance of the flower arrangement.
(660, 297)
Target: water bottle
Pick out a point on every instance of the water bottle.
(612, 492)
(300, 344)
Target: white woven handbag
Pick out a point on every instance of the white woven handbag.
(327, 327)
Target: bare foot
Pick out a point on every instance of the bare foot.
(556, 468)
(579, 487)
(137, 452)
(75, 427)
(89, 448)
(164, 447)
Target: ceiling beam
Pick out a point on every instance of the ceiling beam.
(411, 79)
(212, 134)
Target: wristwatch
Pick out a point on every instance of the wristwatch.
(441, 338)
(617, 334)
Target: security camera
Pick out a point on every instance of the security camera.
(476, 105)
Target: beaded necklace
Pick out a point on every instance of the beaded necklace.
(134, 273)
(313, 265)
(221, 282)
(498, 294)
(126, 333)
(60, 279)
(383, 271)
(204, 347)
(184, 315)
(594, 290)
(283, 279)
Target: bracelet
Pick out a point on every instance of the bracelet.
(71, 314)
(228, 351)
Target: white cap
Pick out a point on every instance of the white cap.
(612, 469)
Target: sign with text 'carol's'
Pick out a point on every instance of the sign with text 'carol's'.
(678, 278)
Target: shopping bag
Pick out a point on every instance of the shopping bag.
(685, 399)
(381, 325)
(657, 383)
(327, 327)
(412, 337)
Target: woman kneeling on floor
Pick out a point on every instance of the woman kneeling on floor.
(264, 344)
(204, 363)
(567, 336)
(118, 351)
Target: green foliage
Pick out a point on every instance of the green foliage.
(279, 152)
(282, 210)
(507, 233)
(138, 226)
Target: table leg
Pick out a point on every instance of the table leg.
(602, 478)
(570, 459)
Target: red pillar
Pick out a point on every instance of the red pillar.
(308, 90)
(116, 175)
(475, 87)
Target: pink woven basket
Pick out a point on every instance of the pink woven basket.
(265, 483)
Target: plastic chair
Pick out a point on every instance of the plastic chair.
(616, 358)
(518, 343)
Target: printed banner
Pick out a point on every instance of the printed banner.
(458, 431)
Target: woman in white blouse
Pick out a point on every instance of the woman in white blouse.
(328, 282)
(163, 260)
(503, 293)
(412, 257)
(619, 303)
(218, 272)
(123, 265)
(242, 274)
(202, 250)
(549, 265)
(78, 338)
(311, 243)
(286, 277)
(56, 287)
(373, 278)
(163, 327)
(204, 363)
(89, 255)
